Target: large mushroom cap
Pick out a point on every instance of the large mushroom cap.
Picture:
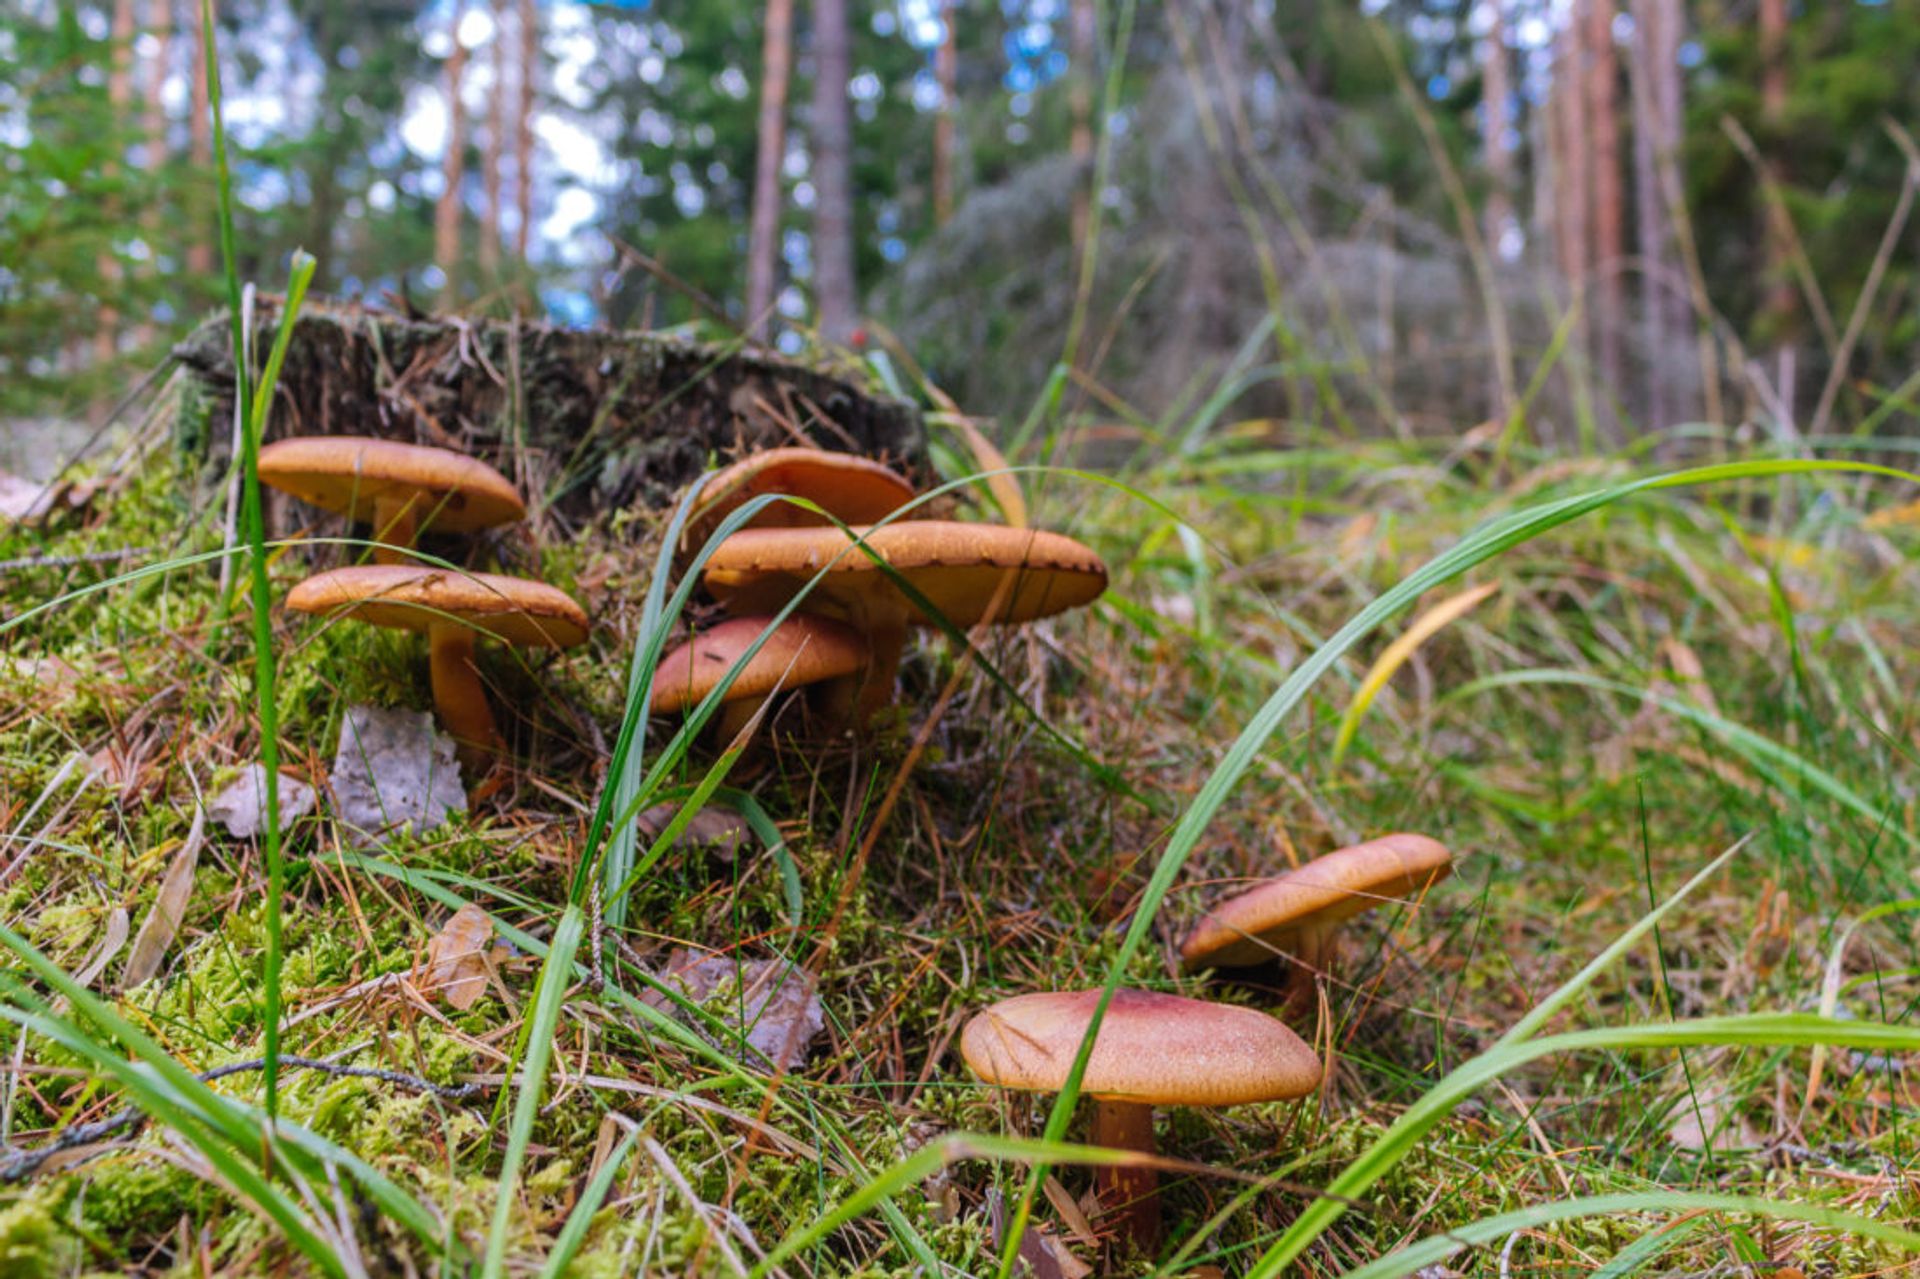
(957, 567)
(803, 650)
(853, 489)
(526, 613)
(1153, 1049)
(350, 474)
(1252, 927)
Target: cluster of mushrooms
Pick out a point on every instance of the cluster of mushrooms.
(402, 491)
(880, 573)
(1157, 1049)
(842, 646)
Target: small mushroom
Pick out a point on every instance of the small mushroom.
(452, 609)
(852, 489)
(958, 568)
(1152, 1050)
(1299, 913)
(400, 489)
(801, 650)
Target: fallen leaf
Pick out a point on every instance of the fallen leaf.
(393, 773)
(30, 501)
(1046, 1255)
(715, 830)
(162, 923)
(770, 1003)
(118, 925)
(242, 807)
(457, 958)
(1713, 1123)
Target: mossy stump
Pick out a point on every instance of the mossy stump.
(585, 422)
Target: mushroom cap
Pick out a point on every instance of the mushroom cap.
(349, 473)
(958, 567)
(407, 597)
(803, 650)
(1153, 1049)
(1249, 928)
(853, 489)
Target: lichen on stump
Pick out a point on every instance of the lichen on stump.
(599, 420)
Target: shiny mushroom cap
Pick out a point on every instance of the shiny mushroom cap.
(1255, 925)
(803, 650)
(957, 567)
(1153, 1049)
(350, 474)
(521, 612)
(853, 489)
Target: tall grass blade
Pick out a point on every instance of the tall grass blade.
(556, 975)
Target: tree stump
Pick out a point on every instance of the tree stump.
(584, 422)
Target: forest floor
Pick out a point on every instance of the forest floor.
(1639, 691)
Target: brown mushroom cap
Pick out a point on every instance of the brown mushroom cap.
(853, 489)
(1153, 1049)
(1252, 927)
(529, 614)
(958, 567)
(803, 650)
(351, 474)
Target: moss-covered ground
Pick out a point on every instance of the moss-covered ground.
(1648, 686)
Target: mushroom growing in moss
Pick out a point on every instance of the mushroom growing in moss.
(802, 650)
(958, 569)
(1299, 913)
(400, 489)
(453, 610)
(1152, 1050)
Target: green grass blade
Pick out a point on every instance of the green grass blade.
(556, 975)
(1436, 1249)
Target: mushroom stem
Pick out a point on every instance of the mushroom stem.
(1130, 1195)
(394, 525)
(887, 642)
(1312, 954)
(734, 717)
(459, 697)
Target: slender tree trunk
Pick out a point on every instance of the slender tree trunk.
(763, 233)
(1650, 215)
(1572, 203)
(323, 210)
(490, 158)
(1778, 309)
(453, 170)
(523, 135)
(835, 291)
(1609, 221)
(946, 62)
(154, 123)
(1497, 123)
(200, 133)
(1083, 38)
(106, 334)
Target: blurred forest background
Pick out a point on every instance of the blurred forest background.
(1376, 214)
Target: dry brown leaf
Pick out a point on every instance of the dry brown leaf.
(716, 830)
(457, 958)
(162, 923)
(773, 1004)
(1711, 1123)
(118, 925)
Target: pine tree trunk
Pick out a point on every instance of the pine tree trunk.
(453, 170)
(106, 334)
(763, 232)
(1609, 221)
(490, 157)
(1496, 123)
(523, 127)
(154, 124)
(200, 250)
(1656, 141)
(1569, 93)
(1083, 37)
(1779, 307)
(835, 292)
(946, 62)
